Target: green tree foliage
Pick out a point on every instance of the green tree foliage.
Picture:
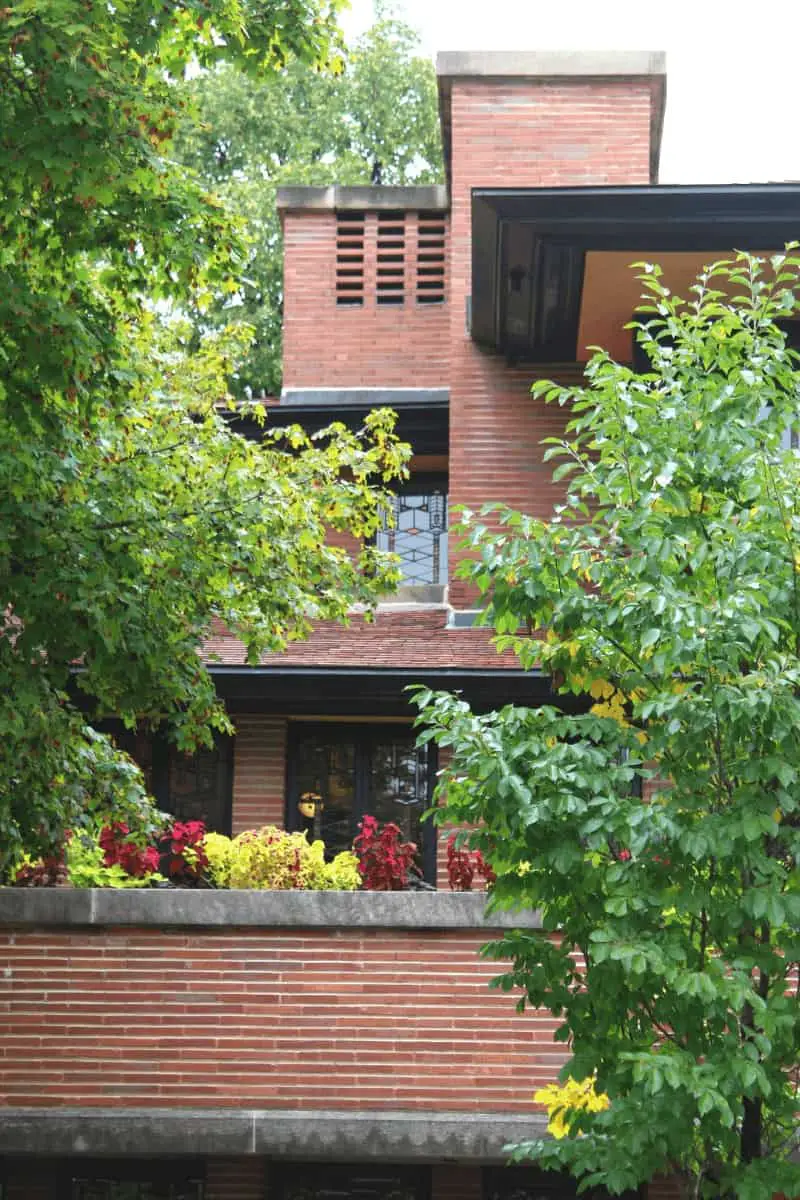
(667, 591)
(131, 512)
(374, 121)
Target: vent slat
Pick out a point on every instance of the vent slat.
(350, 259)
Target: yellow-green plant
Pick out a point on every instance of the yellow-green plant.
(271, 858)
(218, 850)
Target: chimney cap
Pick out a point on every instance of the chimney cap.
(550, 64)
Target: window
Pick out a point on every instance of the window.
(192, 787)
(416, 530)
(356, 770)
(530, 1183)
(334, 1181)
(132, 1180)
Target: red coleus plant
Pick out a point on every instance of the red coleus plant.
(120, 847)
(464, 864)
(183, 858)
(384, 862)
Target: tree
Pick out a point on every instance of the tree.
(665, 593)
(375, 121)
(133, 510)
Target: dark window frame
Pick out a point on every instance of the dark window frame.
(532, 1183)
(161, 750)
(334, 1181)
(146, 1170)
(362, 734)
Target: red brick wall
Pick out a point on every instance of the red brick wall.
(371, 345)
(259, 769)
(522, 134)
(397, 1019)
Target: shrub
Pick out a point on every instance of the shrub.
(464, 864)
(271, 858)
(384, 862)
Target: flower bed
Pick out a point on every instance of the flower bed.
(184, 854)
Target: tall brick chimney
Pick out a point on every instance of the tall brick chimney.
(527, 120)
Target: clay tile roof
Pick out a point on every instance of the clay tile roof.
(417, 638)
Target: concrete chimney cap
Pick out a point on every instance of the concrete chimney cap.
(550, 64)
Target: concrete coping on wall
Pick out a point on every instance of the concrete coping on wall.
(169, 908)
(398, 1136)
(336, 198)
(364, 397)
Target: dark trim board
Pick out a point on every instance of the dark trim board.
(309, 1135)
(372, 692)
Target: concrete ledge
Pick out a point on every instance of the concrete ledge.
(432, 197)
(169, 908)
(393, 1136)
(364, 397)
(550, 64)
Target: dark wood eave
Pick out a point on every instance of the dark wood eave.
(529, 248)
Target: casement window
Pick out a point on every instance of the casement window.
(192, 787)
(339, 1181)
(530, 1183)
(416, 530)
(133, 1180)
(357, 770)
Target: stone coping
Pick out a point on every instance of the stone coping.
(166, 908)
(338, 198)
(550, 64)
(397, 1136)
(363, 397)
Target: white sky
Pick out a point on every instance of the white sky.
(733, 67)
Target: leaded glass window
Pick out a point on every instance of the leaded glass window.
(133, 1179)
(348, 771)
(342, 1182)
(116, 1189)
(530, 1183)
(192, 787)
(416, 530)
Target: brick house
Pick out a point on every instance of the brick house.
(242, 1045)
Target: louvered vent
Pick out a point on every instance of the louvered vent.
(391, 244)
(350, 258)
(430, 259)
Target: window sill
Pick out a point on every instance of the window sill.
(424, 595)
(178, 908)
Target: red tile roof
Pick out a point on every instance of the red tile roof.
(396, 638)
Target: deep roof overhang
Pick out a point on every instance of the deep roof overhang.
(422, 413)
(529, 248)
(374, 691)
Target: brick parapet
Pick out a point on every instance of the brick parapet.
(259, 1019)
